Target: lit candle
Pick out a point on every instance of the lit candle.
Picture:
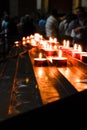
(24, 41)
(27, 39)
(50, 52)
(16, 43)
(66, 46)
(33, 43)
(78, 53)
(40, 61)
(59, 61)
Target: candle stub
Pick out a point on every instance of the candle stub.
(50, 52)
(77, 54)
(83, 57)
(59, 61)
(40, 62)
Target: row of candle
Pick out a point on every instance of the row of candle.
(51, 47)
(75, 51)
(58, 61)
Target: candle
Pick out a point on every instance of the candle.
(50, 52)
(66, 46)
(59, 61)
(78, 51)
(40, 61)
(83, 57)
(33, 43)
(77, 54)
(17, 43)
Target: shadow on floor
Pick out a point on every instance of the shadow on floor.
(70, 112)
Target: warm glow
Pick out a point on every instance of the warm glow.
(23, 39)
(50, 58)
(28, 41)
(31, 36)
(23, 42)
(55, 47)
(67, 43)
(40, 72)
(37, 37)
(53, 40)
(50, 46)
(60, 53)
(75, 46)
(10, 110)
(50, 39)
(64, 43)
(33, 42)
(28, 37)
(79, 48)
(16, 43)
(44, 44)
(27, 80)
(40, 55)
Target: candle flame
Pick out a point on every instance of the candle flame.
(16, 43)
(75, 46)
(67, 43)
(79, 48)
(40, 55)
(54, 40)
(64, 42)
(60, 53)
(23, 38)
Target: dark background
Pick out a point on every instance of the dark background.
(27, 6)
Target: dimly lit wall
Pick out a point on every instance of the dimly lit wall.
(26, 6)
(21, 7)
(62, 6)
(4, 6)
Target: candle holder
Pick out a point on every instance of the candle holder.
(40, 62)
(50, 52)
(83, 57)
(77, 54)
(59, 61)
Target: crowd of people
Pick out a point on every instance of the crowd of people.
(72, 26)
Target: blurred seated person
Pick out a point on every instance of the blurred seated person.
(4, 24)
(28, 26)
(41, 25)
(52, 25)
(79, 28)
(64, 26)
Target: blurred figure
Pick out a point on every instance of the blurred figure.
(20, 27)
(52, 25)
(64, 26)
(12, 31)
(79, 28)
(28, 26)
(41, 25)
(4, 33)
